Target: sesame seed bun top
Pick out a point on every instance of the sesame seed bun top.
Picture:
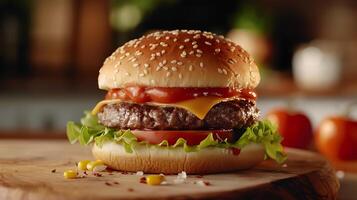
(179, 58)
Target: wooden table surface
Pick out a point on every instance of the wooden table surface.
(26, 173)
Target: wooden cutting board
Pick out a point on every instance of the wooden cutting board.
(26, 173)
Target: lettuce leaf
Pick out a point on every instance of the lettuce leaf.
(89, 131)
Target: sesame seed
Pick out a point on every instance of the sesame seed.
(152, 81)
(135, 65)
(146, 65)
(246, 59)
(199, 51)
(191, 52)
(121, 57)
(165, 68)
(138, 53)
(179, 63)
(175, 39)
(160, 64)
(164, 62)
(180, 76)
(133, 59)
(217, 40)
(116, 70)
(158, 68)
(158, 54)
(167, 37)
(195, 46)
(127, 73)
(168, 74)
(181, 47)
(205, 93)
(196, 36)
(142, 46)
(219, 70)
(174, 69)
(194, 42)
(208, 43)
(198, 55)
(190, 68)
(127, 54)
(153, 46)
(141, 74)
(183, 54)
(163, 51)
(201, 64)
(217, 50)
(187, 40)
(191, 32)
(232, 49)
(230, 61)
(224, 71)
(163, 44)
(145, 71)
(157, 38)
(173, 61)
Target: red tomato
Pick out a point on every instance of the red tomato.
(295, 127)
(336, 138)
(192, 137)
(141, 94)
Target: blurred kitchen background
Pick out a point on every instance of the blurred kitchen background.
(51, 51)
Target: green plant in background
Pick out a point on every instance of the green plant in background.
(125, 15)
(250, 17)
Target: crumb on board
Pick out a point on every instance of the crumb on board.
(143, 180)
(202, 183)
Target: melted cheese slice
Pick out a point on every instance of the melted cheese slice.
(199, 106)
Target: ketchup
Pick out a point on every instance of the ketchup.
(141, 94)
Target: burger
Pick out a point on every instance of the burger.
(179, 100)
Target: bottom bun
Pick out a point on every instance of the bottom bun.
(155, 159)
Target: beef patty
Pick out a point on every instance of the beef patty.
(234, 114)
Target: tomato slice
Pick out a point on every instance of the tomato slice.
(192, 137)
(141, 94)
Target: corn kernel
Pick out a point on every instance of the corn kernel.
(82, 165)
(154, 179)
(93, 164)
(69, 174)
